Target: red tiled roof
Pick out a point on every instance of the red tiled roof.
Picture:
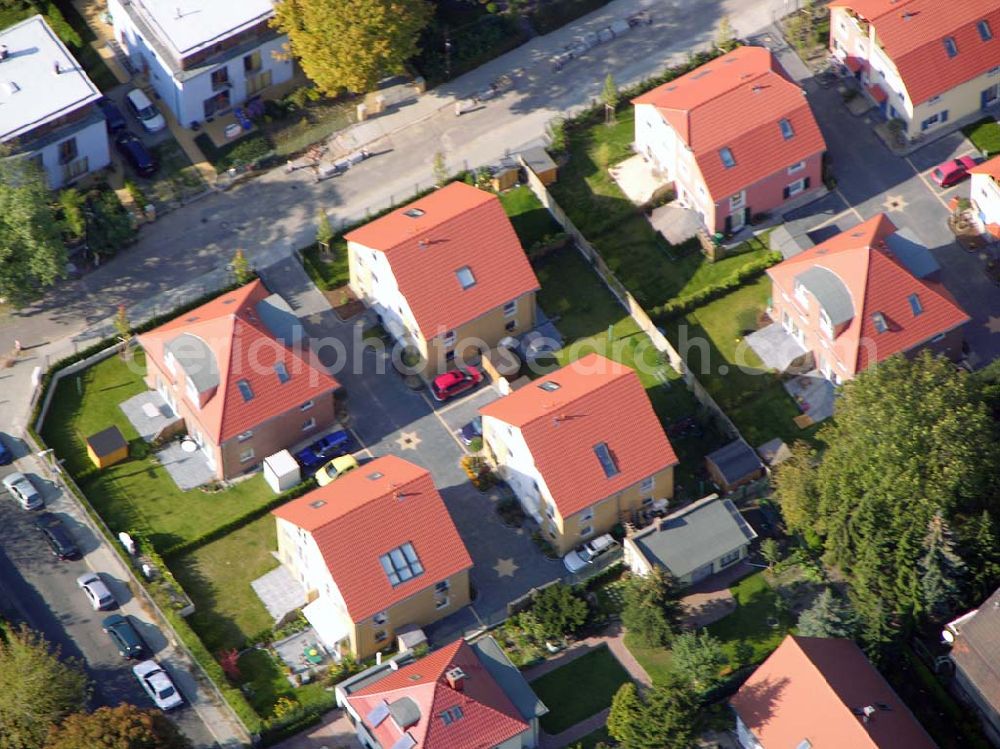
(877, 282)
(736, 101)
(244, 349)
(990, 167)
(913, 31)
(364, 516)
(488, 717)
(597, 401)
(809, 689)
(460, 226)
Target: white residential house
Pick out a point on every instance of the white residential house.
(985, 194)
(203, 57)
(47, 110)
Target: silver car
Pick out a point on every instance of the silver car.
(20, 488)
(97, 592)
(158, 685)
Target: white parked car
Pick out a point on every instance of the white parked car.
(21, 489)
(97, 592)
(143, 110)
(589, 552)
(158, 685)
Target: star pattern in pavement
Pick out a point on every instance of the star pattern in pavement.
(993, 324)
(895, 203)
(505, 567)
(408, 441)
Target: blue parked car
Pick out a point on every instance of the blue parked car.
(322, 450)
(6, 456)
(115, 117)
(135, 153)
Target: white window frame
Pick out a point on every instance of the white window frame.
(244, 436)
(738, 201)
(246, 455)
(381, 618)
(796, 188)
(448, 339)
(648, 485)
(510, 309)
(587, 531)
(797, 167)
(310, 423)
(587, 515)
(307, 405)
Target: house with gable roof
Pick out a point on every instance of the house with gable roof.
(984, 192)
(376, 551)
(463, 696)
(47, 111)
(202, 57)
(736, 137)
(234, 370)
(581, 448)
(923, 62)
(862, 296)
(822, 693)
(446, 274)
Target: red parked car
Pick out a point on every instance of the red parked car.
(455, 382)
(953, 171)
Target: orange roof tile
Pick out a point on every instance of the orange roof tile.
(737, 101)
(597, 401)
(243, 349)
(369, 512)
(459, 226)
(990, 167)
(913, 31)
(877, 283)
(810, 689)
(488, 717)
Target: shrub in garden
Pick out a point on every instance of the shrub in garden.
(560, 610)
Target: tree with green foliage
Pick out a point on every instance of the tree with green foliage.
(242, 271)
(697, 659)
(663, 717)
(324, 230)
(980, 545)
(610, 97)
(795, 488)
(37, 689)
(122, 727)
(559, 610)
(770, 552)
(828, 616)
(32, 254)
(725, 36)
(440, 168)
(74, 221)
(911, 440)
(650, 610)
(350, 45)
(941, 569)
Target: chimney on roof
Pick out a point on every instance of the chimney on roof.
(56, 68)
(757, 89)
(394, 665)
(4, 52)
(907, 15)
(456, 678)
(867, 712)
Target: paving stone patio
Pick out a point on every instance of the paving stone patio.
(279, 592)
(135, 408)
(189, 470)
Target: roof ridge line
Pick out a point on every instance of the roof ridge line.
(381, 496)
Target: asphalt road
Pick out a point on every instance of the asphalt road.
(41, 591)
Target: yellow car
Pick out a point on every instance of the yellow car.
(335, 469)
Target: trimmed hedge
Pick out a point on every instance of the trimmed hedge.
(684, 304)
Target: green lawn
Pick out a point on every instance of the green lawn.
(217, 577)
(985, 135)
(584, 310)
(264, 682)
(531, 220)
(755, 627)
(328, 270)
(137, 494)
(656, 661)
(579, 689)
(731, 372)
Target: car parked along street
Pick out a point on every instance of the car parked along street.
(98, 594)
(143, 110)
(158, 685)
(134, 151)
(57, 536)
(454, 382)
(125, 636)
(589, 552)
(335, 469)
(21, 489)
(330, 446)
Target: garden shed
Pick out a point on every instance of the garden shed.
(107, 447)
(733, 465)
(281, 472)
(538, 160)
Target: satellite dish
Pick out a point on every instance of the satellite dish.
(947, 636)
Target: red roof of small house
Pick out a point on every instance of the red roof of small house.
(596, 401)
(912, 33)
(819, 690)
(990, 167)
(429, 240)
(879, 288)
(479, 714)
(737, 101)
(369, 512)
(227, 343)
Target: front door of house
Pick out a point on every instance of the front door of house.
(989, 96)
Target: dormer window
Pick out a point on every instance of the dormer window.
(282, 372)
(800, 294)
(915, 306)
(950, 46)
(985, 32)
(245, 390)
(727, 158)
(786, 129)
(878, 320)
(465, 277)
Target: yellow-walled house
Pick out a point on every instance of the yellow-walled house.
(582, 449)
(446, 274)
(376, 551)
(923, 62)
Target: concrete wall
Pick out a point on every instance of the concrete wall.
(93, 153)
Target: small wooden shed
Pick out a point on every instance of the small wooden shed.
(537, 159)
(733, 465)
(107, 447)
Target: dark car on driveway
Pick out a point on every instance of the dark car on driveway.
(57, 536)
(323, 450)
(134, 151)
(125, 636)
(112, 114)
(455, 382)
(6, 456)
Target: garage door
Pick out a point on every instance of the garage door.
(702, 572)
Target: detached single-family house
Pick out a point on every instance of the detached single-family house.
(376, 551)
(736, 137)
(985, 194)
(697, 541)
(446, 274)
(822, 693)
(923, 62)
(581, 448)
(862, 296)
(975, 652)
(244, 385)
(202, 57)
(47, 111)
(463, 696)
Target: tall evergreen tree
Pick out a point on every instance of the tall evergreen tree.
(941, 569)
(980, 546)
(795, 489)
(828, 616)
(697, 660)
(663, 718)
